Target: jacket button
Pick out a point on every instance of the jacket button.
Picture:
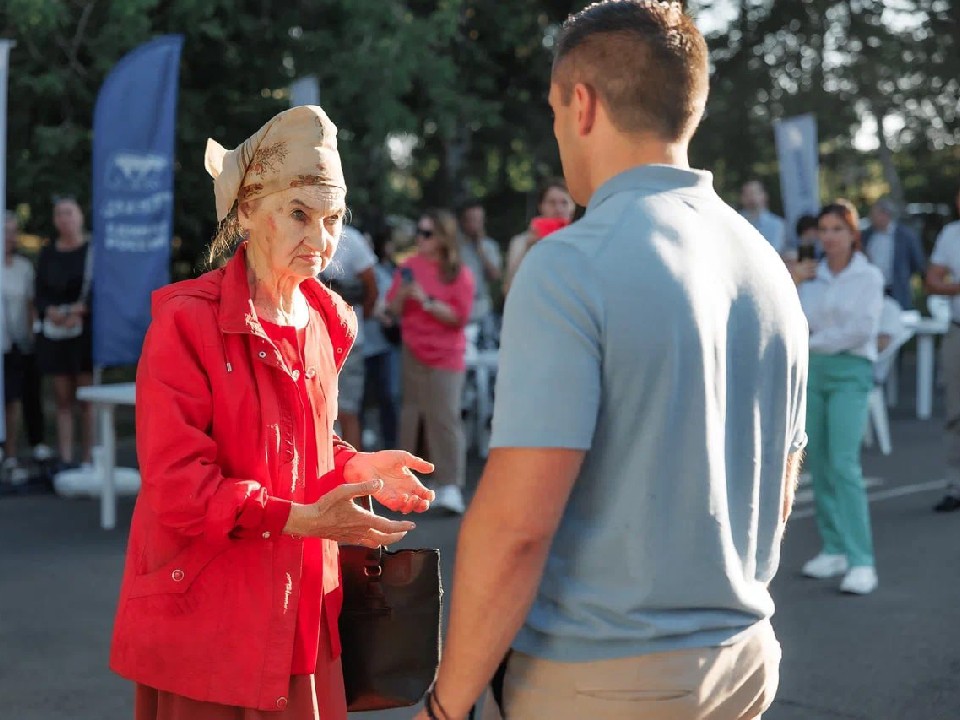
(339, 351)
(177, 575)
(262, 354)
(296, 375)
(266, 535)
(281, 703)
(311, 373)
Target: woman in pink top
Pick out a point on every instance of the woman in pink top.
(432, 294)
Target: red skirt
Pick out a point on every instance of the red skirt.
(312, 697)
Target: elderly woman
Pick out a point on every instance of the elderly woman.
(230, 596)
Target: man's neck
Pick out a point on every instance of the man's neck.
(628, 153)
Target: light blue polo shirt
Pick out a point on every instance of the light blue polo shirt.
(662, 335)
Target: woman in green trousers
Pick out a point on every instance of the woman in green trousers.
(842, 298)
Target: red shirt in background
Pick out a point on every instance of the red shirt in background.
(432, 342)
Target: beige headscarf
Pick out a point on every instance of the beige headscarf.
(296, 148)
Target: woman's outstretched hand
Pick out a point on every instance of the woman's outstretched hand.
(336, 516)
(401, 491)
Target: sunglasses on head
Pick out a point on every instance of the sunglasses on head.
(424, 232)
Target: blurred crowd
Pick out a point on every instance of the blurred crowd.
(428, 294)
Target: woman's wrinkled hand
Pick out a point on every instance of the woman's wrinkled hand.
(336, 516)
(401, 491)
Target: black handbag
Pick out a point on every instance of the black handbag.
(389, 625)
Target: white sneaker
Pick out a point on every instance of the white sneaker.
(42, 452)
(861, 580)
(450, 498)
(13, 473)
(825, 566)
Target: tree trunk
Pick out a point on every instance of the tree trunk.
(885, 153)
(455, 148)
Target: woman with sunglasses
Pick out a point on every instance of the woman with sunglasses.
(432, 294)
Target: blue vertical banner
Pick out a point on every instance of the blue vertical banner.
(133, 143)
(799, 157)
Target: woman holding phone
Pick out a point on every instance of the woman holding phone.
(842, 302)
(432, 294)
(555, 210)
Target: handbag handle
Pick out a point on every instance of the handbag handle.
(373, 566)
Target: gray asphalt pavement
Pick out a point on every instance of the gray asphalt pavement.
(894, 655)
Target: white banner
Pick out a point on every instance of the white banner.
(305, 91)
(5, 46)
(799, 157)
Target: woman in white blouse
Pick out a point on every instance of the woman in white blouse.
(842, 301)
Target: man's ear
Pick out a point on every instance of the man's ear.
(585, 102)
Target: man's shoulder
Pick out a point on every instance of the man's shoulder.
(560, 264)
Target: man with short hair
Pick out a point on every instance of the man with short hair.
(895, 249)
(753, 203)
(482, 255)
(649, 417)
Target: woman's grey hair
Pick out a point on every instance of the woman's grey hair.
(225, 241)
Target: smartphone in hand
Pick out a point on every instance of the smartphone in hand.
(806, 252)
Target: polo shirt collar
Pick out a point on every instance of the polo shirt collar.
(652, 179)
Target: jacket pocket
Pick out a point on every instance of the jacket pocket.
(177, 575)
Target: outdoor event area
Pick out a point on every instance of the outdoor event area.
(647, 314)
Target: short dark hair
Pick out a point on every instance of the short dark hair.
(806, 222)
(646, 60)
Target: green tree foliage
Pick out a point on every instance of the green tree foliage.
(442, 100)
(893, 64)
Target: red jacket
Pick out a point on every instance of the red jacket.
(208, 604)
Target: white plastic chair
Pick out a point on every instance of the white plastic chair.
(878, 423)
(939, 307)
